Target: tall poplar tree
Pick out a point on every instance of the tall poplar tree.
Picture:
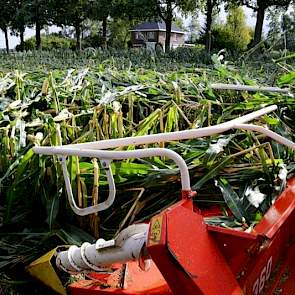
(260, 7)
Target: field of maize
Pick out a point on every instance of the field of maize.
(58, 98)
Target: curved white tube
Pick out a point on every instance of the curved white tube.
(95, 149)
(267, 132)
(92, 209)
(126, 247)
(118, 155)
(162, 137)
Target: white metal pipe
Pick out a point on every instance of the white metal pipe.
(162, 137)
(221, 86)
(267, 132)
(94, 149)
(126, 247)
(119, 155)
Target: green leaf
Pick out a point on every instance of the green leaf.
(211, 174)
(232, 200)
(287, 78)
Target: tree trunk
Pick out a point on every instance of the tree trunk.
(208, 36)
(104, 32)
(6, 40)
(78, 36)
(168, 33)
(38, 34)
(104, 27)
(259, 25)
(22, 39)
(168, 21)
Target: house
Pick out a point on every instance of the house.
(152, 35)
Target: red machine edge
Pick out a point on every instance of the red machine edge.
(190, 257)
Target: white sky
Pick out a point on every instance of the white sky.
(13, 40)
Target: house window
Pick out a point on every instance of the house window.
(151, 36)
(136, 35)
(140, 36)
(175, 37)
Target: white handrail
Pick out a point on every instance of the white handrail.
(96, 150)
(162, 137)
(267, 132)
(92, 209)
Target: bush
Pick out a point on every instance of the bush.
(51, 41)
(94, 41)
(223, 37)
(234, 35)
(190, 54)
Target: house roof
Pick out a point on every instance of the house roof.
(156, 26)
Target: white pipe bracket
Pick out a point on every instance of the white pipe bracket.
(96, 208)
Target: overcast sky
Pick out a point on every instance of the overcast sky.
(13, 40)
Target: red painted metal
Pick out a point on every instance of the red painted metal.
(188, 256)
(126, 280)
(188, 194)
(198, 259)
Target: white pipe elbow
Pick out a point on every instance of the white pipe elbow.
(101, 255)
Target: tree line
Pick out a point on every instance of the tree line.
(16, 15)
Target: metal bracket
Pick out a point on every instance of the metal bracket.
(92, 209)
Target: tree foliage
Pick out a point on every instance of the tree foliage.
(16, 15)
(20, 20)
(6, 14)
(234, 35)
(238, 32)
(281, 34)
(260, 6)
(38, 15)
(210, 7)
(71, 13)
(193, 29)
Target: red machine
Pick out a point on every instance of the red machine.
(178, 253)
(195, 258)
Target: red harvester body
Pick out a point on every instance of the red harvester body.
(190, 257)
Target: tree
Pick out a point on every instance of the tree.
(119, 29)
(5, 19)
(274, 16)
(166, 11)
(210, 6)
(192, 29)
(19, 20)
(260, 6)
(38, 15)
(234, 35)
(71, 13)
(281, 34)
(240, 33)
(101, 10)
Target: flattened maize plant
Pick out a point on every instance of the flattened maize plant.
(241, 171)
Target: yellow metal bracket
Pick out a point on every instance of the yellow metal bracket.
(43, 270)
